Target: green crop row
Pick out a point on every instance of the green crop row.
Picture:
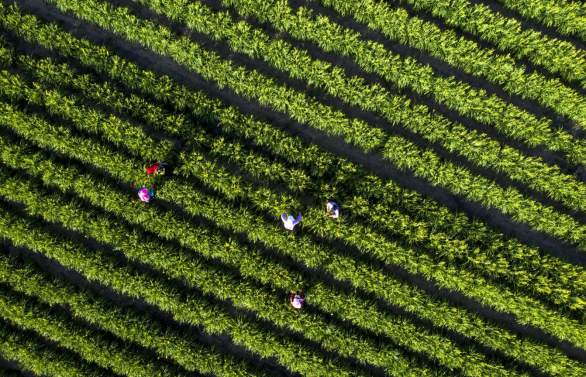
(481, 263)
(271, 171)
(200, 106)
(396, 24)
(408, 72)
(578, 303)
(126, 324)
(265, 306)
(566, 17)
(116, 130)
(380, 284)
(507, 34)
(39, 359)
(214, 281)
(256, 86)
(264, 311)
(190, 310)
(90, 345)
(476, 147)
(363, 238)
(150, 82)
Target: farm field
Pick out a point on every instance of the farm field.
(452, 134)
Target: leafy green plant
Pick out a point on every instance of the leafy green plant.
(408, 72)
(396, 24)
(35, 357)
(393, 291)
(508, 35)
(262, 88)
(566, 17)
(91, 345)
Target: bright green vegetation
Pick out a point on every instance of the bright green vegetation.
(197, 281)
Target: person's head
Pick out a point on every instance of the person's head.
(161, 170)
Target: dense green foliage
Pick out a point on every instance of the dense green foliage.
(197, 280)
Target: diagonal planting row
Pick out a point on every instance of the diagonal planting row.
(577, 303)
(96, 92)
(33, 356)
(408, 72)
(265, 304)
(197, 311)
(387, 290)
(90, 345)
(260, 166)
(507, 34)
(242, 294)
(565, 16)
(476, 147)
(401, 152)
(467, 55)
(126, 324)
(181, 97)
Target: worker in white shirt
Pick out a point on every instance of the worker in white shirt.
(297, 299)
(289, 221)
(333, 209)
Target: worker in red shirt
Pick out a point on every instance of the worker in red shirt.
(157, 168)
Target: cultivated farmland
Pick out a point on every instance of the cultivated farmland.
(451, 133)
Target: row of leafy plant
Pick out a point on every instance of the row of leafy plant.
(197, 311)
(566, 16)
(264, 304)
(91, 345)
(407, 72)
(126, 324)
(509, 36)
(476, 147)
(182, 98)
(386, 289)
(402, 153)
(259, 166)
(503, 70)
(316, 162)
(35, 356)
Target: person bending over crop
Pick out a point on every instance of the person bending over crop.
(289, 221)
(333, 209)
(297, 299)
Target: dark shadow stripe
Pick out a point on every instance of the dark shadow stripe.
(7, 367)
(45, 342)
